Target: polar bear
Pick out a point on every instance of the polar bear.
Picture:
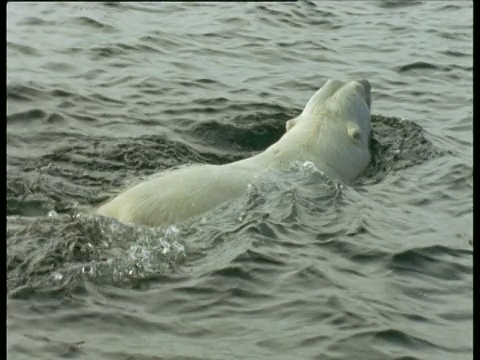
(332, 132)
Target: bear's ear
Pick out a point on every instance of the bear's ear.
(291, 123)
(353, 131)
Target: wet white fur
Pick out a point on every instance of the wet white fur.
(332, 132)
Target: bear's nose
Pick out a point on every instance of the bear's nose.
(365, 84)
(367, 87)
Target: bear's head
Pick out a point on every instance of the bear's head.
(338, 117)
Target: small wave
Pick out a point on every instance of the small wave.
(418, 65)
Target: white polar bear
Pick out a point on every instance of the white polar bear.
(332, 132)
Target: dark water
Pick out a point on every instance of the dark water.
(102, 95)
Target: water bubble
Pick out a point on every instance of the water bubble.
(87, 269)
(166, 246)
(171, 230)
(57, 276)
(178, 247)
(309, 165)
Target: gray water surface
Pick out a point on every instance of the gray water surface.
(102, 95)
